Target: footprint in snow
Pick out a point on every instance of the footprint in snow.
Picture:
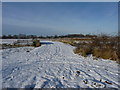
(27, 51)
(94, 83)
(77, 73)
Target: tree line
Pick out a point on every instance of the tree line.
(24, 36)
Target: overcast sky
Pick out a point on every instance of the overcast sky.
(59, 18)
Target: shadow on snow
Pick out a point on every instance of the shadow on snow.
(44, 42)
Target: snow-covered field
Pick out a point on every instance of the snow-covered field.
(10, 41)
(54, 65)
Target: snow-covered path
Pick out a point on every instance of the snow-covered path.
(55, 65)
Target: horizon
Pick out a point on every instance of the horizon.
(101, 34)
(59, 18)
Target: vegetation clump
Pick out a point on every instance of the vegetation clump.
(36, 43)
(102, 46)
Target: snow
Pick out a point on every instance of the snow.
(54, 65)
(10, 41)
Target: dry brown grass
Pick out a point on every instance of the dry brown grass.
(84, 51)
(105, 53)
(5, 46)
(67, 41)
(103, 46)
(82, 39)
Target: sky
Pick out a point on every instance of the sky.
(59, 18)
(0, 19)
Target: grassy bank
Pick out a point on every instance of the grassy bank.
(102, 46)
